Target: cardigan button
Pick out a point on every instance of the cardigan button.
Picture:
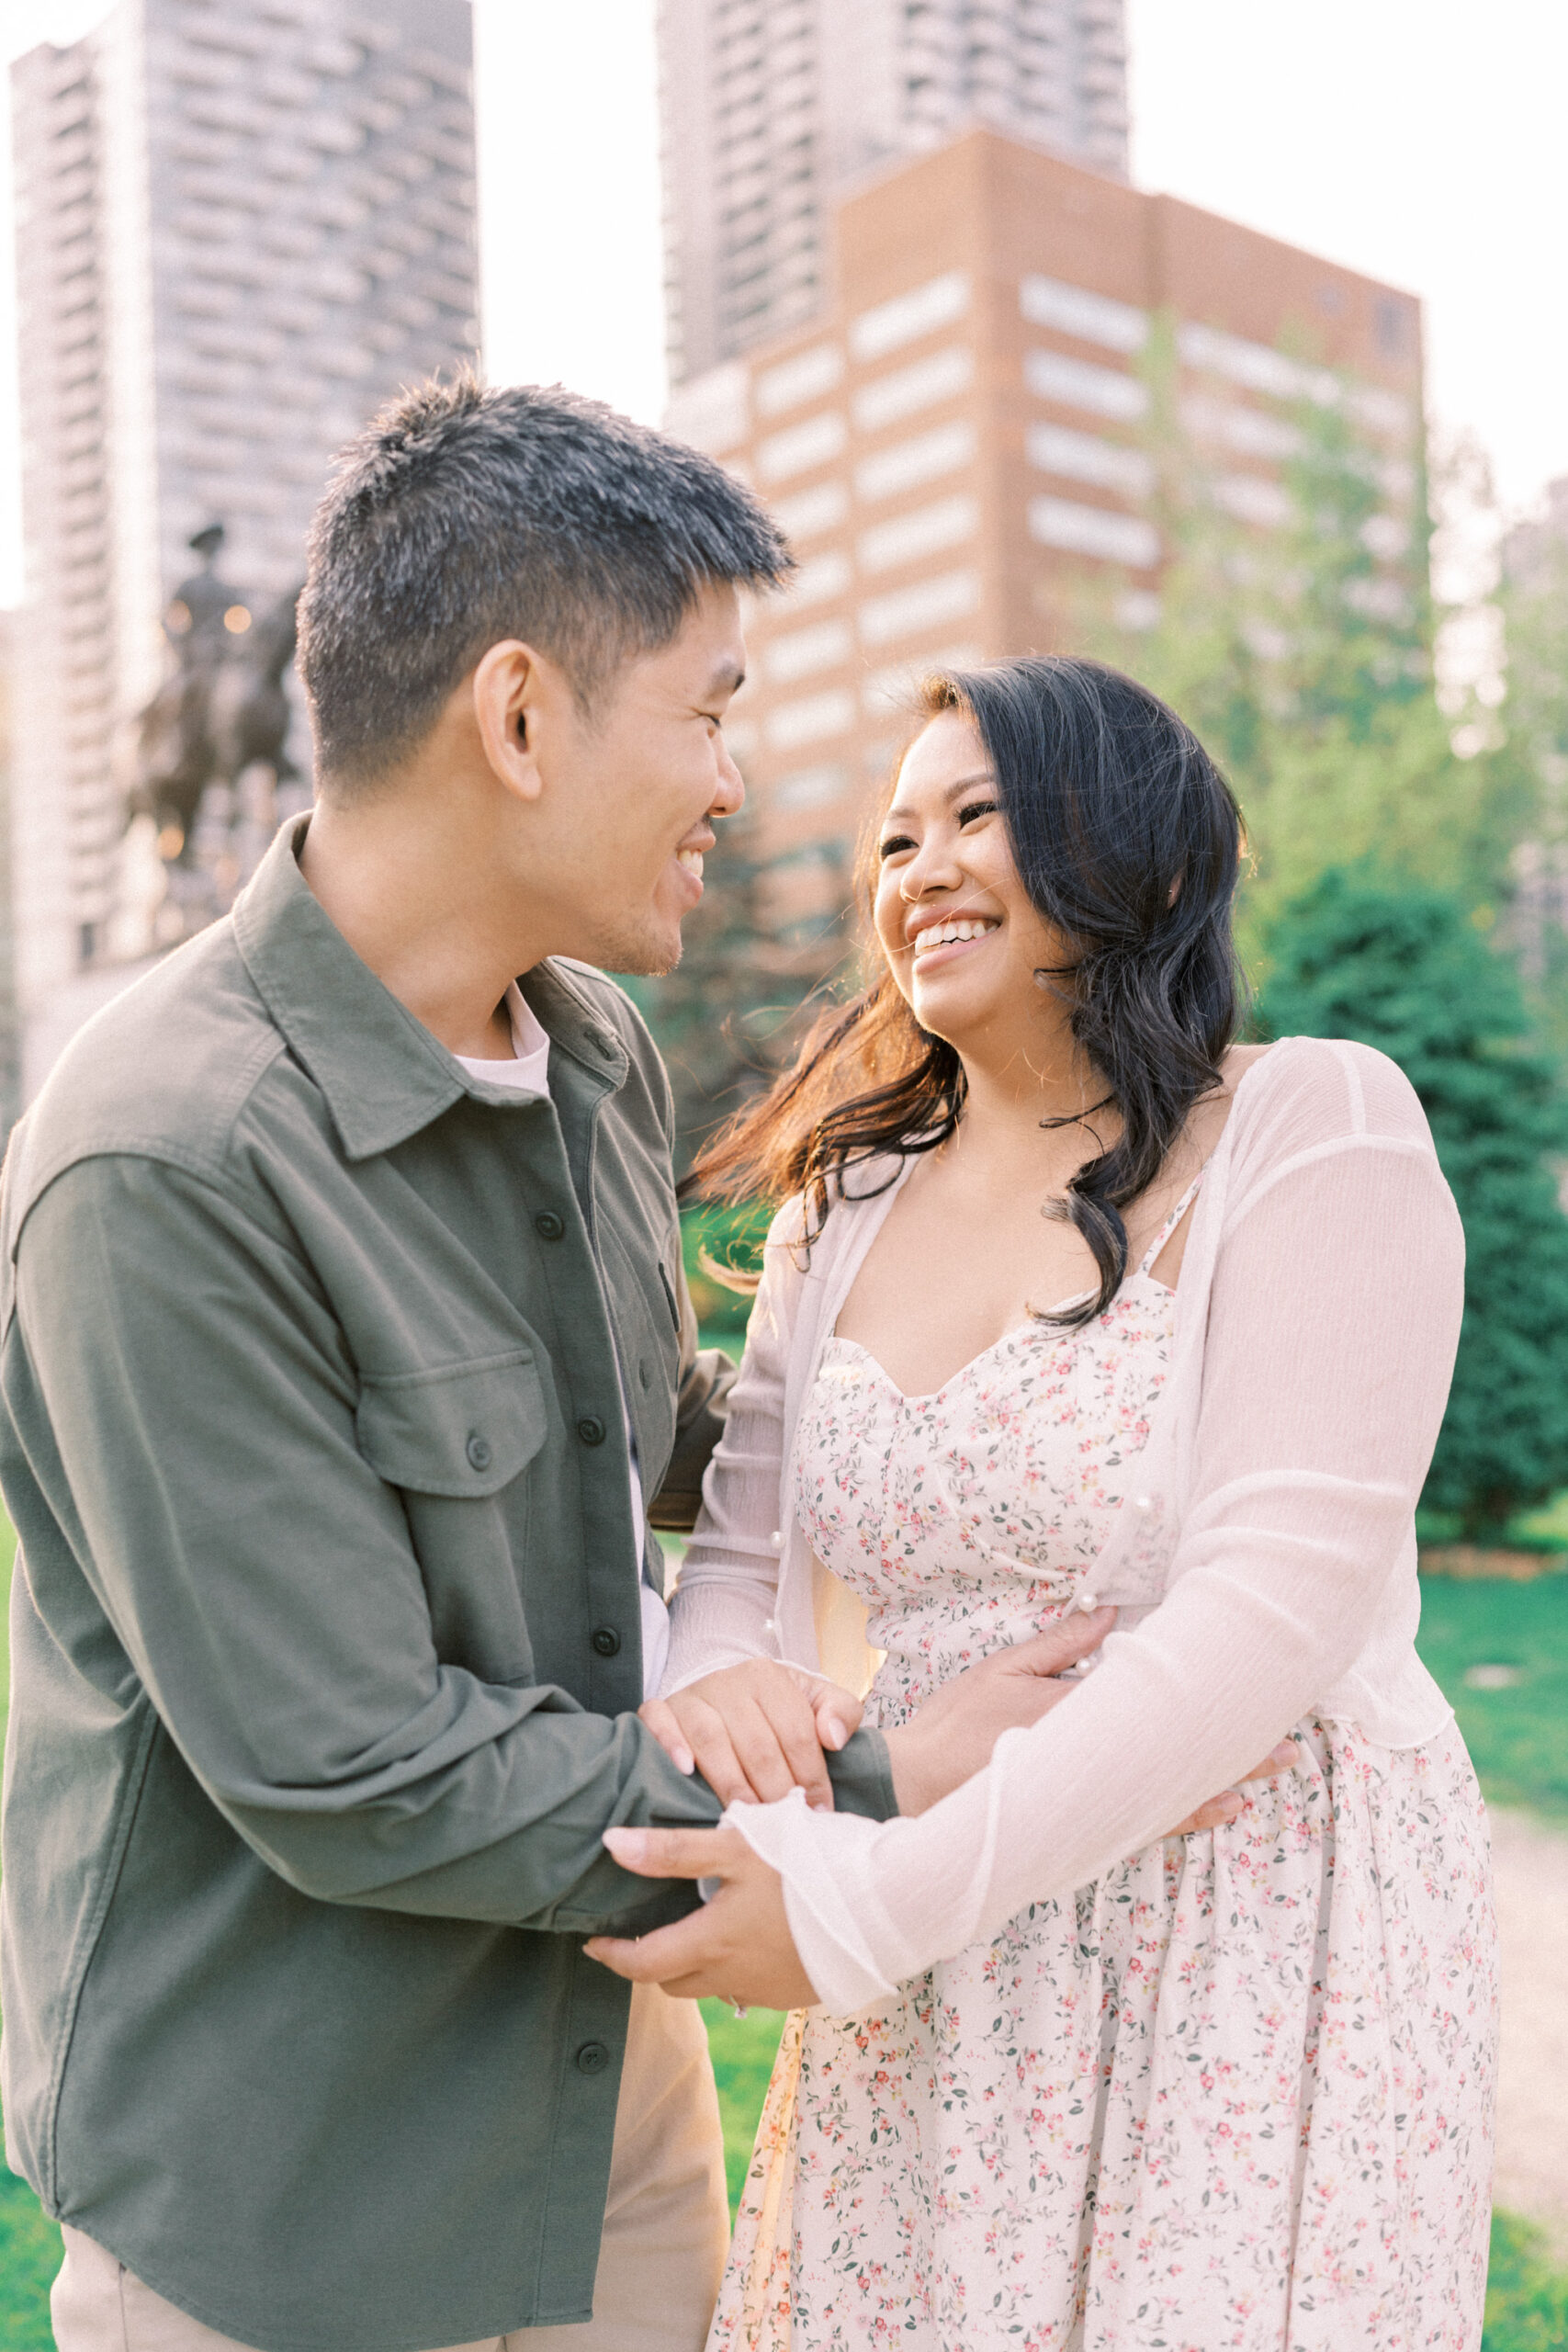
(478, 1451)
(776, 1540)
(593, 2058)
(591, 1429)
(549, 1226)
(605, 1640)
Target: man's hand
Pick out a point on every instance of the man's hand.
(737, 1947)
(757, 1730)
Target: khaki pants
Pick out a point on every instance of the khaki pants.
(666, 2224)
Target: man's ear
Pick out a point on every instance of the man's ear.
(515, 690)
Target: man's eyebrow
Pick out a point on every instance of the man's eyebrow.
(897, 816)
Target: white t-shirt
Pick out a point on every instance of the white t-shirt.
(529, 1071)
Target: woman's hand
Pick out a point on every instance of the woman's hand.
(757, 1730)
(1231, 1804)
(737, 1947)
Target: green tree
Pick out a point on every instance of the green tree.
(1297, 640)
(1402, 966)
(1527, 758)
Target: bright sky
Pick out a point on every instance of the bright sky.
(1421, 141)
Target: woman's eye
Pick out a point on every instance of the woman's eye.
(976, 808)
(895, 846)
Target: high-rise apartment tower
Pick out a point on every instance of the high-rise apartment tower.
(241, 224)
(772, 110)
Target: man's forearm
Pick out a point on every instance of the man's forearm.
(863, 1779)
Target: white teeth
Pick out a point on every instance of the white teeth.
(946, 934)
(692, 859)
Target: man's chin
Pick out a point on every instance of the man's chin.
(646, 955)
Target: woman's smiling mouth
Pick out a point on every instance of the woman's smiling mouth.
(961, 932)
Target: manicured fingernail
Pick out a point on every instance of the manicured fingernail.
(1286, 1754)
(834, 1734)
(818, 1805)
(684, 1760)
(627, 1845)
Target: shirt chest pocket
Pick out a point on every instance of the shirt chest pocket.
(464, 1431)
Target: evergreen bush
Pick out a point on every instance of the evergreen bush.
(1403, 967)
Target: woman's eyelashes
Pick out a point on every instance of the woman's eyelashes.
(899, 845)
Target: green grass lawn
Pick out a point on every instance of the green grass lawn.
(743, 2050)
(1517, 1734)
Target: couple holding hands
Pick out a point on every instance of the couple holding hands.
(370, 1818)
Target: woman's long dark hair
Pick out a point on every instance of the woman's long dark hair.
(1127, 840)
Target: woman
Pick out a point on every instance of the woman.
(1078, 1302)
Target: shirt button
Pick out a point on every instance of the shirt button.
(549, 1225)
(605, 1640)
(593, 2058)
(478, 1452)
(591, 1429)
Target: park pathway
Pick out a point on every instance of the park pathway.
(1531, 1864)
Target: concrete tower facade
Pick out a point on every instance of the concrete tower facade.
(772, 110)
(241, 224)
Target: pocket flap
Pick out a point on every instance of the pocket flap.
(467, 1430)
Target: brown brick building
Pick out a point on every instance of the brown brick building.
(955, 437)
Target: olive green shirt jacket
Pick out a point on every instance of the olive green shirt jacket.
(326, 1634)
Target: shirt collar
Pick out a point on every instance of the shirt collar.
(381, 1073)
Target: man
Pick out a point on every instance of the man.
(344, 1333)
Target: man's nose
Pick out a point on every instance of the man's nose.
(730, 795)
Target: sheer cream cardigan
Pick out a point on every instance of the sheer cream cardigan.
(1264, 1563)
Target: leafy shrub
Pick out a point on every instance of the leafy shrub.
(1401, 968)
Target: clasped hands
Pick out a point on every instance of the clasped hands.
(757, 1730)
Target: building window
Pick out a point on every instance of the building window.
(943, 376)
(803, 651)
(1073, 309)
(936, 304)
(811, 718)
(799, 446)
(1079, 383)
(925, 604)
(1085, 457)
(907, 537)
(942, 450)
(1094, 530)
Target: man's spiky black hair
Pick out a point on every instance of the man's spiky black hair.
(462, 516)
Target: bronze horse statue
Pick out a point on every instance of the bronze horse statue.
(222, 706)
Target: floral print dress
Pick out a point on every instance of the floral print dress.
(1235, 2097)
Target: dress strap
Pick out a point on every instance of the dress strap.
(1172, 1221)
